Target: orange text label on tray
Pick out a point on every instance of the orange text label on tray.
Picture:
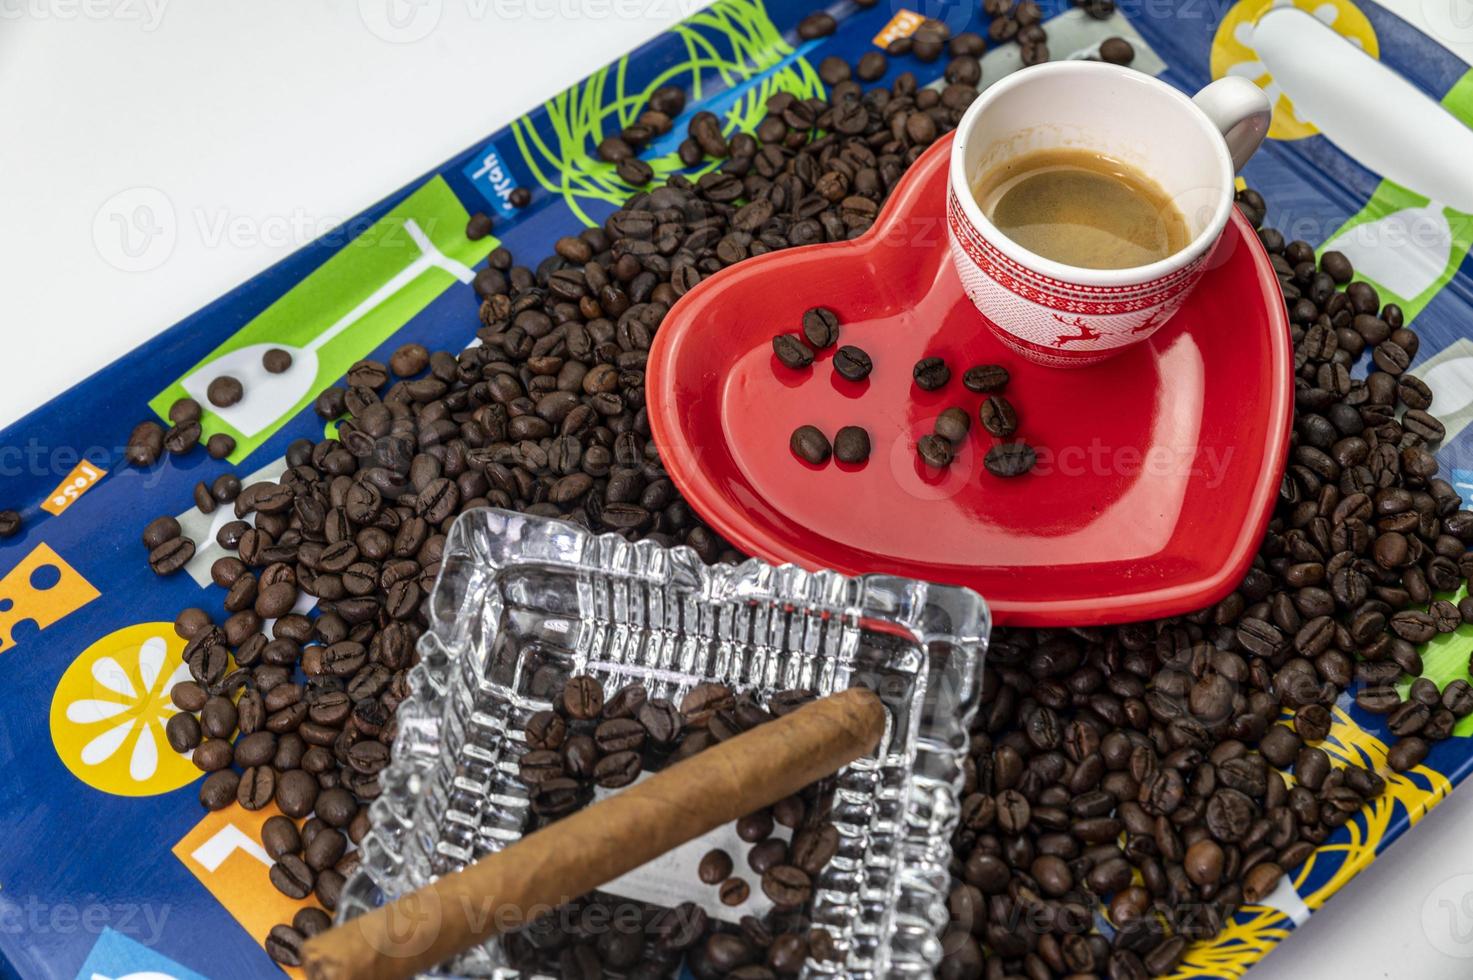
(70, 490)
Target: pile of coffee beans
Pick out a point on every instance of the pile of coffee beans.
(586, 741)
(1138, 767)
(1145, 767)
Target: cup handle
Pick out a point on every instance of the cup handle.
(1241, 111)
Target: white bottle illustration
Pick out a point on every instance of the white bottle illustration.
(1372, 113)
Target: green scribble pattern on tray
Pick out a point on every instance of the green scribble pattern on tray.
(728, 44)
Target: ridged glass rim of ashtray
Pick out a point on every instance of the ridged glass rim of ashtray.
(897, 920)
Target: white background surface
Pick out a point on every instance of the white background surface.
(259, 125)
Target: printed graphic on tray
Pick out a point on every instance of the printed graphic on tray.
(344, 309)
(117, 957)
(110, 709)
(224, 852)
(81, 479)
(734, 59)
(1243, 47)
(1255, 929)
(1413, 235)
(40, 591)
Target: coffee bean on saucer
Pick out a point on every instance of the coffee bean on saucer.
(935, 451)
(225, 391)
(1010, 459)
(852, 363)
(953, 425)
(791, 351)
(998, 416)
(820, 328)
(985, 378)
(851, 444)
(1116, 51)
(276, 361)
(931, 373)
(810, 445)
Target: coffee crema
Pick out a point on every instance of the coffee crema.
(1081, 208)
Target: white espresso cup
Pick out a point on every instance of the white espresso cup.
(1069, 316)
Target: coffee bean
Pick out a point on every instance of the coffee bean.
(219, 787)
(619, 769)
(225, 391)
(820, 328)
(851, 444)
(998, 416)
(931, 373)
(788, 887)
(276, 361)
(296, 793)
(160, 531)
(852, 364)
(169, 557)
(791, 351)
(810, 445)
(935, 451)
(10, 523)
(733, 892)
(1010, 459)
(257, 787)
(1116, 51)
(291, 876)
(583, 698)
(986, 378)
(715, 867)
(814, 848)
(284, 945)
(953, 425)
(145, 444)
(279, 837)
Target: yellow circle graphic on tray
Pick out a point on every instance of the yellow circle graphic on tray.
(1233, 54)
(110, 708)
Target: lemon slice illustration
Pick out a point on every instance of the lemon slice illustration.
(110, 709)
(1233, 53)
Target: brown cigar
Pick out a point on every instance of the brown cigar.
(594, 846)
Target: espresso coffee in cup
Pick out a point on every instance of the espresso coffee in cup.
(1082, 208)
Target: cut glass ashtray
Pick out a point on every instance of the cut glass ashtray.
(523, 603)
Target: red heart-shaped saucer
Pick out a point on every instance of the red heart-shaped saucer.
(1157, 473)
